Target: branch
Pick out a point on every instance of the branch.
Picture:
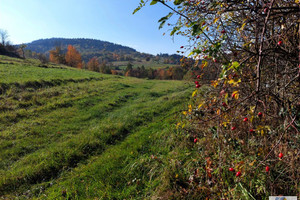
(186, 17)
(258, 69)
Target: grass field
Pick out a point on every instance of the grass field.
(146, 64)
(75, 134)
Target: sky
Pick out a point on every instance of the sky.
(107, 20)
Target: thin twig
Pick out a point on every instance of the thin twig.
(278, 142)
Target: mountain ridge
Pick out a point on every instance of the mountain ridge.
(89, 48)
(73, 41)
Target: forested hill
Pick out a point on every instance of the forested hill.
(102, 50)
(87, 47)
(44, 45)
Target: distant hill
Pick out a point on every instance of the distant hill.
(104, 51)
(87, 47)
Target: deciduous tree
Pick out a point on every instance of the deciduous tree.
(4, 37)
(93, 65)
(73, 57)
(57, 56)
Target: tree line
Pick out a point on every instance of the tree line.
(73, 58)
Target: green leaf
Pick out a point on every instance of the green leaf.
(175, 29)
(177, 2)
(196, 29)
(153, 2)
(164, 19)
(137, 9)
(142, 4)
(235, 65)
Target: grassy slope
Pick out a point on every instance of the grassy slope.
(146, 64)
(71, 133)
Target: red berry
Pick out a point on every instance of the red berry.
(279, 43)
(267, 168)
(231, 169)
(197, 85)
(245, 119)
(233, 128)
(195, 140)
(181, 47)
(224, 104)
(196, 82)
(198, 76)
(215, 60)
(223, 31)
(238, 174)
(280, 155)
(265, 10)
(198, 37)
(203, 23)
(252, 131)
(260, 114)
(233, 95)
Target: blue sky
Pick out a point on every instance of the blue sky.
(108, 20)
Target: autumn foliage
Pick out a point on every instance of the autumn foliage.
(73, 57)
(57, 56)
(93, 65)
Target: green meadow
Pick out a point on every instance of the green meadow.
(74, 134)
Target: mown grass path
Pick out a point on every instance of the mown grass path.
(82, 133)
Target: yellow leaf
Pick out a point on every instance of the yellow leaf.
(242, 27)
(190, 108)
(226, 97)
(268, 128)
(215, 83)
(194, 93)
(235, 95)
(252, 108)
(218, 111)
(225, 124)
(234, 83)
(184, 112)
(215, 20)
(200, 105)
(252, 163)
(204, 64)
(251, 119)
